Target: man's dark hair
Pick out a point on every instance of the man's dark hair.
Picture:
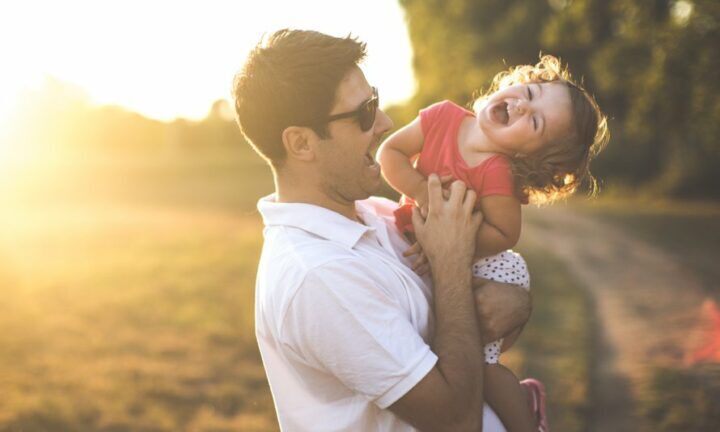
(290, 80)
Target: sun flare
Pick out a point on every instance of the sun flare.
(173, 59)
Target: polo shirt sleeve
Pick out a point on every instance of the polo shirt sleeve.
(341, 321)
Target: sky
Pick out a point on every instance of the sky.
(169, 59)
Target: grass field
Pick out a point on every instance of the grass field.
(126, 302)
(556, 346)
(684, 397)
(127, 299)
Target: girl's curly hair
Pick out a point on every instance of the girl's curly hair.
(559, 168)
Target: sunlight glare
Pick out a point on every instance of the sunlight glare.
(168, 59)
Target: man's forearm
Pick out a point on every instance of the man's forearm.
(451, 395)
(457, 341)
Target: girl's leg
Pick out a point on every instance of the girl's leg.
(508, 399)
(503, 392)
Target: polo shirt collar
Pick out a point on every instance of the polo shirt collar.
(314, 219)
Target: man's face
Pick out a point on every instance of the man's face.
(348, 169)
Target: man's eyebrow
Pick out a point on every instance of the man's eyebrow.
(372, 93)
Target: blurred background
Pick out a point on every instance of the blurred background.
(129, 237)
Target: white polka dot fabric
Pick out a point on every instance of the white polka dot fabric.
(507, 267)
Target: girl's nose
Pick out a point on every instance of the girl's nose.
(521, 106)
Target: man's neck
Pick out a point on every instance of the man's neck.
(296, 194)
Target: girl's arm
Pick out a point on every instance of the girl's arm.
(501, 226)
(395, 156)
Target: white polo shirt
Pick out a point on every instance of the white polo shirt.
(342, 322)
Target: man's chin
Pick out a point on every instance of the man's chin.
(372, 188)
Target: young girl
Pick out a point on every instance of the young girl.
(530, 139)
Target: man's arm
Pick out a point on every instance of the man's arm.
(502, 308)
(450, 396)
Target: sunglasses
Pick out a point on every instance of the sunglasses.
(365, 113)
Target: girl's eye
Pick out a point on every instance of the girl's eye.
(529, 93)
(534, 123)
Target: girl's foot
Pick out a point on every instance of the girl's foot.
(536, 390)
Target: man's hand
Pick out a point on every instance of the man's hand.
(501, 308)
(450, 396)
(421, 198)
(448, 233)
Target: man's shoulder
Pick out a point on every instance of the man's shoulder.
(290, 254)
(293, 260)
(293, 247)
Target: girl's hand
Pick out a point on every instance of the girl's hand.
(421, 265)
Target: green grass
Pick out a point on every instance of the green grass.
(685, 397)
(126, 302)
(143, 322)
(556, 346)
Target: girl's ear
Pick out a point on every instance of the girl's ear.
(296, 140)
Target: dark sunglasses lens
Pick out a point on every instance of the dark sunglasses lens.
(367, 114)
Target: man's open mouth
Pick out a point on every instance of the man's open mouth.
(369, 158)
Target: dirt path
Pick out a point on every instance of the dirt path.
(646, 305)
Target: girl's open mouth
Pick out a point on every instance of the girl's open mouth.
(499, 113)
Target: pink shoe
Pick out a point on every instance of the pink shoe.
(537, 391)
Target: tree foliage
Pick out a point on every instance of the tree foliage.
(651, 64)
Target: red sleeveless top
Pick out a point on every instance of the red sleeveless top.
(440, 124)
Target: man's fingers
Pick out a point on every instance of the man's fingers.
(420, 261)
(418, 220)
(477, 218)
(413, 250)
(424, 211)
(434, 193)
(457, 193)
(422, 270)
(470, 199)
(446, 180)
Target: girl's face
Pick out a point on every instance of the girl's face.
(525, 117)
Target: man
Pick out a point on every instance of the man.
(350, 337)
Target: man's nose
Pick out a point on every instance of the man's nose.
(383, 122)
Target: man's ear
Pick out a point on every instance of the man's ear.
(296, 140)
